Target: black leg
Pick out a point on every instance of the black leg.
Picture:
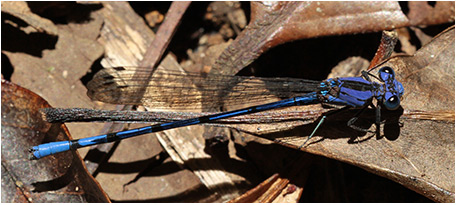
(365, 75)
(352, 121)
(378, 120)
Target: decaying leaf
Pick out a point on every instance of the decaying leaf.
(61, 178)
(274, 23)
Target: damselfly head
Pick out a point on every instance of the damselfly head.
(394, 89)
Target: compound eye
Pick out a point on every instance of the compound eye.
(392, 103)
(386, 73)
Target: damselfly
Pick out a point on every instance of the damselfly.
(114, 85)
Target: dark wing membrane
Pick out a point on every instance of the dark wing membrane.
(183, 90)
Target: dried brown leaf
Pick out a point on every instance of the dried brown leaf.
(60, 178)
(274, 23)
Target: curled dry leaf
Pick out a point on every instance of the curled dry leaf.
(274, 23)
(60, 178)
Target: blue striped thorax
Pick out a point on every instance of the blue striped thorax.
(359, 91)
